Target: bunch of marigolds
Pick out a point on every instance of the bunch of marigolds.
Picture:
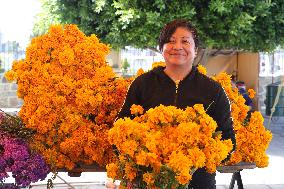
(162, 147)
(252, 137)
(71, 96)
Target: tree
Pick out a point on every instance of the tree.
(251, 25)
(44, 19)
(125, 66)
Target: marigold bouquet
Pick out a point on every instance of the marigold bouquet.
(252, 137)
(164, 146)
(71, 96)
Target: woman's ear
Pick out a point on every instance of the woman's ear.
(196, 51)
(162, 52)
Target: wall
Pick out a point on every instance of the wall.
(245, 66)
(248, 71)
(8, 94)
(221, 63)
(114, 58)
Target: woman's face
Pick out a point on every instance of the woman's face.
(180, 50)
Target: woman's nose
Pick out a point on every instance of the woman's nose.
(177, 45)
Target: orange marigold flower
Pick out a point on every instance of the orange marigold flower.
(199, 108)
(141, 158)
(201, 69)
(184, 178)
(112, 170)
(139, 72)
(11, 75)
(136, 109)
(178, 161)
(157, 64)
(251, 93)
(149, 178)
(130, 171)
(197, 156)
(129, 147)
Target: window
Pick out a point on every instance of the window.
(272, 64)
(140, 58)
(9, 51)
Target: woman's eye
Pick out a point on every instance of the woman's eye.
(186, 41)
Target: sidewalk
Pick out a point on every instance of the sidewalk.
(270, 177)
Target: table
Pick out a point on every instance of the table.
(236, 170)
(79, 168)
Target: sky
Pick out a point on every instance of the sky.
(17, 19)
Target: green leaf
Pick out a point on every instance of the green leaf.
(222, 24)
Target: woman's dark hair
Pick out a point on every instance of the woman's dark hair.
(171, 27)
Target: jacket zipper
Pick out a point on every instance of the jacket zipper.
(176, 95)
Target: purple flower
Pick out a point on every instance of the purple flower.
(14, 148)
(26, 167)
(32, 170)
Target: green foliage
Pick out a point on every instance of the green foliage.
(125, 65)
(48, 16)
(253, 25)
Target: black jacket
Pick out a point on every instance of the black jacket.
(155, 87)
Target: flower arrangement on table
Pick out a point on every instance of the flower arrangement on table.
(164, 146)
(252, 137)
(26, 166)
(71, 96)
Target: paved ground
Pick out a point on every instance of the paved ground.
(271, 177)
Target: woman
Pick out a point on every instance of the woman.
(181, 85)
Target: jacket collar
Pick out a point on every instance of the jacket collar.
(160, 72)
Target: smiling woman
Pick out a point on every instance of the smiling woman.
(180, 84)
(179, 54)
(178, 43)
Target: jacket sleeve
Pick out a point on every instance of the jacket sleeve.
(223, 117)
(132, 97)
